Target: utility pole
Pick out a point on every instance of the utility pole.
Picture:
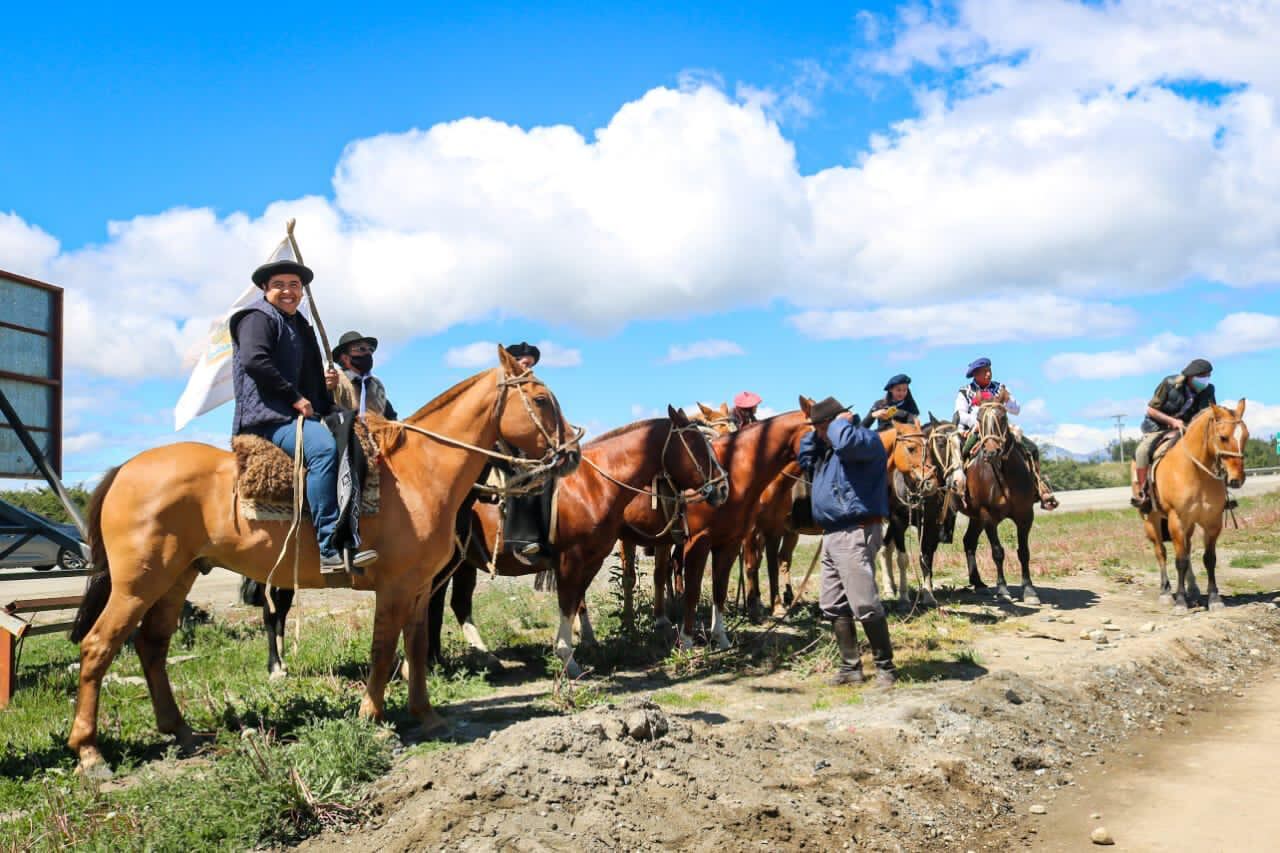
(1120, 434)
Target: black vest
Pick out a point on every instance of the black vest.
(257, 410)
(1181, 401)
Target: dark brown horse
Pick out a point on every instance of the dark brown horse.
(753, 456)
(664, 461)
(999, 484)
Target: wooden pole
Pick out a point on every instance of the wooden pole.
(315, 313)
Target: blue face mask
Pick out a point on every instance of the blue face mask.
(1199, 382)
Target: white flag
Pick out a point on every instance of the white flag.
(210, 383)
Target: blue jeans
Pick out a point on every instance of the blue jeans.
(320, 457)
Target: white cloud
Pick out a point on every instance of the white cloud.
(1015, 318)
(1234, 334)
(84, 442)
(1131, 407)
(1079, 438)
(1034, 413)
(713, 348)
(483, 354)
(1263, 419)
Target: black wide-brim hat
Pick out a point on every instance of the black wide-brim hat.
(263, 274)
(824, 410)
(351, 338)
(524, 348)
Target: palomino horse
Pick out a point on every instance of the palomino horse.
(161, 517)
(776, 528)
(999, 485)
(753, 456)
(1189, 490)
(667, 461)
(927, 506)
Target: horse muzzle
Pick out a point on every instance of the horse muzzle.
(567, 461)
(718, 494)
(1236, 482)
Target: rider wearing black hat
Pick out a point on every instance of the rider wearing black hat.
(525, 353)
(358, 389)
(896, 406)
(526, 530)
(1177, 399)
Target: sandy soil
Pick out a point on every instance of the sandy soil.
(1039, 717)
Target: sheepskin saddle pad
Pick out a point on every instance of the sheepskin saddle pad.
(264, 477)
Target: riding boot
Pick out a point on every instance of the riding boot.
(1141, 498)
(881, 650)
(850, 671)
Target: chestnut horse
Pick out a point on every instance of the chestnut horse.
(775, 528)
(999, 484)
(167, 513)
(1189, 490)
(667, 461)
(753, 456)
(925, 505)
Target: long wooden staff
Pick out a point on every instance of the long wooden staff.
(315, 313)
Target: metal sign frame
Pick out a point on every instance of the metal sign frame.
(50, 377)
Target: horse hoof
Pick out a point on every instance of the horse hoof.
(929, 600)
(572, 670)
(684, 641)
(433, 724)
(1030, 597)
(1166, 599)
(1003, 594)
(277, 674)
(491, 664)
(1180, 610)
(779, 611)
(1216, 605)
(94, 767)
(662, 623)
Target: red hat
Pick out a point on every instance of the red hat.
(746, 400)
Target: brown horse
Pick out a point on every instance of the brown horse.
(999, 484)
(753, 456)
(777, 524)
(1189, 488)
(667, 461)
(167, 513)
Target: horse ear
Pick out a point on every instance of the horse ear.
(806, 404)
(723, 411)
(706, 410)
(1240, 408)
(678, 417)
(508, 362)
(933, 421)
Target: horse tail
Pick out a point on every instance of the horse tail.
(98, 589)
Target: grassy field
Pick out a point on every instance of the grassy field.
(287, 758)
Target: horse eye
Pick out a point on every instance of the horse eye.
(542, 400)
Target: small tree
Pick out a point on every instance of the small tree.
(44, 501)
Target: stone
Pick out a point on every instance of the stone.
(1039, 809)
(638, 725)
(1099, 637)
(1013, 698)
(614, 729)
(1148, 628)
(1101, 837)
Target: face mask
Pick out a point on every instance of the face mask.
(1199, 383)
(362, 363)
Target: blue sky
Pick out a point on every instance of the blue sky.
(839, 191)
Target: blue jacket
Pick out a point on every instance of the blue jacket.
(850, 475)
(275, 361)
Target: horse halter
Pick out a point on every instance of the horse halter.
(711, 479)
(559, 449)
(1218, 453)
(997, 431)
(925, 485)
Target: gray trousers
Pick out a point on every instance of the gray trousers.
(849, 574)
(1142, 453)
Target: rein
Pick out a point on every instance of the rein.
(1218, 453)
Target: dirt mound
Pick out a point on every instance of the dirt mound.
(937, 766)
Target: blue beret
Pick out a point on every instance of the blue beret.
(898, 379)
(975, 366)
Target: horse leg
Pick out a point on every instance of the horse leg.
(751, 554)
(586, 634)
(997, 555)
(570, 595)
(787, 550)
(1029, 594)
(435, 627)
(1211, 566)
(721, 569)
(391, 612)
(1181, 561)
(928, 546)
(695, 560)
(661, 580)
(417, 656)
(152, 644)
(971, 534)
(99, 647)
(1152, 525)
(887, 554)
(627, 556)
(282, 603)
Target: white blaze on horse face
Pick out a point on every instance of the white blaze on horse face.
(1239, 435)
(718, 632)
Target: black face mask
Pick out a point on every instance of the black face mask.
(362, 363)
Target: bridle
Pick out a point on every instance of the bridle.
(925, 485)
(1218, 453)
(991, 428)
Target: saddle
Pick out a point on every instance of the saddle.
(1164, 444)
(264, 477)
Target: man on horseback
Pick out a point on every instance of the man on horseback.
(849, 468)
(896, 406)
(356, 388)
(526, 529)
(744, 408)
(1176, 400)
(278, 376)
(970, 398)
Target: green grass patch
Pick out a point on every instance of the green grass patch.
(693, 699)
(1254, 560)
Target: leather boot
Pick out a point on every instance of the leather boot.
(877, 631)
(850, 671)
(1141, 499)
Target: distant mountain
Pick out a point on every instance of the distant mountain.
(1054, 453)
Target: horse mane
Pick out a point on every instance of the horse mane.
(624, 430)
